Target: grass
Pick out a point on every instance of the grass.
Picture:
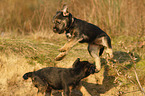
(26, 54)
(27, 43)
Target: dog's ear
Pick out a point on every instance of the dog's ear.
(65, 10)
(76, 62)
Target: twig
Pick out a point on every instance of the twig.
(131, 91)
(139, 85)
(136, 76)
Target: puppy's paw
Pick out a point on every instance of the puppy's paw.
(60, 56)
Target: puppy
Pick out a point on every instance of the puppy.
(64, 79)
(80, 31)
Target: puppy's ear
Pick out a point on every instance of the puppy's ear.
(65, 10)
(76, 62)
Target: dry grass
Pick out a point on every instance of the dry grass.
(116, 17)
(27, 43)
(12, 68)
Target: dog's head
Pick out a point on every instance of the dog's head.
(85, 66)
(62, 20)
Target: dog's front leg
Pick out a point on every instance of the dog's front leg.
(40, 94)
(84, 91)
(67, 91)
(70, 44)
(64, 50)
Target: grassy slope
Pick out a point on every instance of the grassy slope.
(22, 54)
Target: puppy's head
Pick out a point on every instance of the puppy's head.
(84, 66)
(62, 20)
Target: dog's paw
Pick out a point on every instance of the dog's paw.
(60, 56)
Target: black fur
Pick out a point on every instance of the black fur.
(50, 78)
(27, 75)
(89, 32)
(78, 30)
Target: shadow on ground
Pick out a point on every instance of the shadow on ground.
(97, 89)
(108, 81)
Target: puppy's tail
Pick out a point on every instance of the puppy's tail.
(27, 75)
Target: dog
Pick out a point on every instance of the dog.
(65, 79)
(77, 30)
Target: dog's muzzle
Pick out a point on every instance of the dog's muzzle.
(55, 30)
(92, 69)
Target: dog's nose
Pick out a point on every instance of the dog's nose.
(54, 29)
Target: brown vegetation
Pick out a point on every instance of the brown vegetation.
(27, 43)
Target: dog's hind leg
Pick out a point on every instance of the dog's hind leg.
(106, 42)
(48, 91)
(40, 94)
(67, 92)
(40, 84)
(83, 90)
(94, 52)
(48, 94)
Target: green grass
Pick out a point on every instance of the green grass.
(30, 49)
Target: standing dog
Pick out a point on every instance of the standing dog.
(77, 30)
(64, 79)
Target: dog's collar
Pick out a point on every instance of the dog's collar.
(72, 21)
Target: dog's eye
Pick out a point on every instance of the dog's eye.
(57, 22)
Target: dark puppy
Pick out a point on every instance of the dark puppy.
(64, 79)
(77, 30)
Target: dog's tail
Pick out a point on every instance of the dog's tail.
(27, 75)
